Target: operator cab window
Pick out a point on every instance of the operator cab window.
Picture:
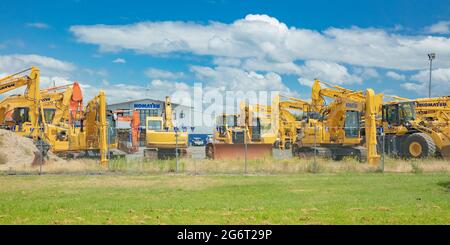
(154, 125)
(352, 124)
(49, 114)
(407, 112)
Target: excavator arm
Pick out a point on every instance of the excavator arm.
(96, 126)
(32, 93)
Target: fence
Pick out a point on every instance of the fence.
(320, 160)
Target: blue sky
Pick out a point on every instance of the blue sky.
(131, 48)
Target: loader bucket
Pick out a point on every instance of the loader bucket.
(222, 151)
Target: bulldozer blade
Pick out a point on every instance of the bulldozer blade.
(445, 152)
(237, 151)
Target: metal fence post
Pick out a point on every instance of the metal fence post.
(42, 156)
(315, 146)
(245, 151)
(176, 150)
(383, 140)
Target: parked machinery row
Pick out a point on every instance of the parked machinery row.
(55, 119)
(413, 128)
(337, 123)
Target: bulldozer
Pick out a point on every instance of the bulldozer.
(247, 135)
(163, 139)
(334, 130)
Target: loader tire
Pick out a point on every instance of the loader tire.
(419, 145)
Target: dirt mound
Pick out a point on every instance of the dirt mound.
(16, 150)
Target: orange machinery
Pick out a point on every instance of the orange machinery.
(128, 136)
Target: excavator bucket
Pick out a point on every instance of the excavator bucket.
(222, 151)
(445, 152)
(76, 101)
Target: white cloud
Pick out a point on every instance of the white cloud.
(441, 27)
(221, 61)
(38, 25)
(225, 78)
(263, 37)
(162, 74)
(395, 75)
(369, 73)
(264, 65)
(327, 72)
(48, 65)
(156, 89)
(120, 60)
(440, 82)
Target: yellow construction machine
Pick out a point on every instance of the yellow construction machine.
(249, 134)
(414, 130)
(163, 139)
(28, 116)
(336, 129)
(289, 123)
(65, 127)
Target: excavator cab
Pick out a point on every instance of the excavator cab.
(399, 113)
(21, 115)
(163, 139)
(352, 124)
(49, 114)
(154, 123)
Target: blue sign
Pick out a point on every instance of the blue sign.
(147, 106)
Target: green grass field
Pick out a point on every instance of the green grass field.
(356, 198)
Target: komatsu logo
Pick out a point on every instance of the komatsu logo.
(7, 86)
(351, 105)
(45, 99)
(147, 106)
(431, 104)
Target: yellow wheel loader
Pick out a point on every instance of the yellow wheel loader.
(163, 139)
(413, 135)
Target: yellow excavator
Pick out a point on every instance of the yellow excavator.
(163, 139)
(27, 118)
(65, 127)
(335, 129)
(290, 123)
(414, 128)
(249, 134)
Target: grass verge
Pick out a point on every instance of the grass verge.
(344, 198)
